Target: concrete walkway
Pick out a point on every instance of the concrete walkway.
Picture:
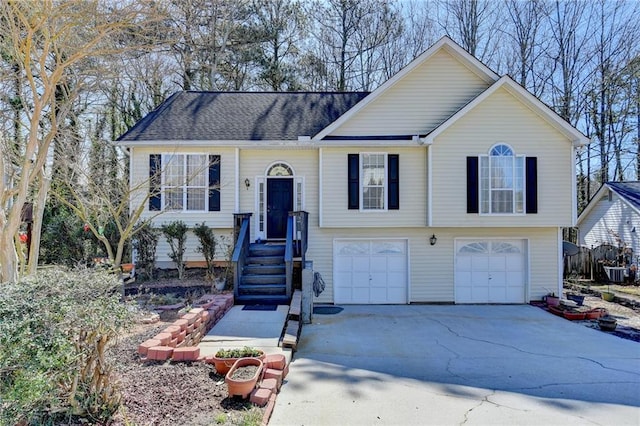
(453, 365)
(239, 328)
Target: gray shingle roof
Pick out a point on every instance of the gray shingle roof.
(630, 191)
(242, 116)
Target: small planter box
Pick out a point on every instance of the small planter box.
(223, 365)
(243, 386)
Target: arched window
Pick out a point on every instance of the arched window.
(502, 181)
(279, 169)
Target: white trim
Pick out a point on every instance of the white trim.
(184, 185)
(320, 189)
(227, 143)
(429, 187)
(560, 263)
(385, 195)
(237, 179)
(529, 100)
(574, 188)
(445, 42)
(131, 209)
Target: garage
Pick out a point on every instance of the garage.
(370, 271)
(490, 271)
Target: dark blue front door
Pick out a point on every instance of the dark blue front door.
(279, 204)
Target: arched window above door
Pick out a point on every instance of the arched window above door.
(279, 169)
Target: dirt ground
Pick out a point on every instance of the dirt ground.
(628, 317)
(169, 393)
(172, 393)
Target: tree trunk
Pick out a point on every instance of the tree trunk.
(8, 256)
(36, 231)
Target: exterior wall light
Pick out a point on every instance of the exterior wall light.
(433, 240)
(247, 183)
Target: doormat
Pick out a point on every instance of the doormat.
(327, 310)
(259, 307)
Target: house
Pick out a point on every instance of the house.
(612, 217)
(448, 183)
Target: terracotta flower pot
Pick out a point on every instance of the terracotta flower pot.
(223, 365)
(552, 300)
(243, 386)
(574, 316)
(595, 313)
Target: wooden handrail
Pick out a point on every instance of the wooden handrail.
(242, 221)
(288, 256)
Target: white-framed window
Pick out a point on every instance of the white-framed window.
(502, 181)
(185, 182)
(373, 178)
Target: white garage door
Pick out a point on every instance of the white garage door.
(370, 271)
(490, 271)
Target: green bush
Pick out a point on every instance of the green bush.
(54, 330)
(176, 234)
(145, 242)
(207, 247)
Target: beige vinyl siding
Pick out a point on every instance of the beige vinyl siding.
(607, 218)
(413, 190)
(419, 102)
(431, 268)
(221, 221)
(502, 119)
(255, 163)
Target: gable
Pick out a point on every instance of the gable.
(419, 101)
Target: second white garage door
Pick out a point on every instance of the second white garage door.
(370, 271)
(490, 271)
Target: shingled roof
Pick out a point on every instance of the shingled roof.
(242, 116)
(630, 191)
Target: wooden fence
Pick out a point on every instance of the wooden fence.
(589, 262)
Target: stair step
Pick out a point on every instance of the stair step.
(263, 279)
(273, 289)
(265, 260)
(261, 299)
(253, 269)
(266, 249)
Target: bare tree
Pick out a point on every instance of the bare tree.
(48, 39)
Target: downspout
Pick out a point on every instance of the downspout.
(320, 181)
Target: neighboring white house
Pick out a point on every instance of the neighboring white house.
(612, 217)
(448, 183)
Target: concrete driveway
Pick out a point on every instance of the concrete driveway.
(454, 365)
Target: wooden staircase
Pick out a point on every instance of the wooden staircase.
(263, 277)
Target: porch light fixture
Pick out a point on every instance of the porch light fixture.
(247, 183)
(433, 240)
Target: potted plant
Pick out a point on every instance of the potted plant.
(552, 300)
(607, 323)
(225, 358)
(243, 376)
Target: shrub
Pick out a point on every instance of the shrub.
(207, 247)
(54, 331)
(176, 234)
(247, 351)
(145, 242)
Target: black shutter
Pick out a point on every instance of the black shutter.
(155, 167)
(472, 185)
(394, 181)
(531, 185)
(214, 183)
(354, 181)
